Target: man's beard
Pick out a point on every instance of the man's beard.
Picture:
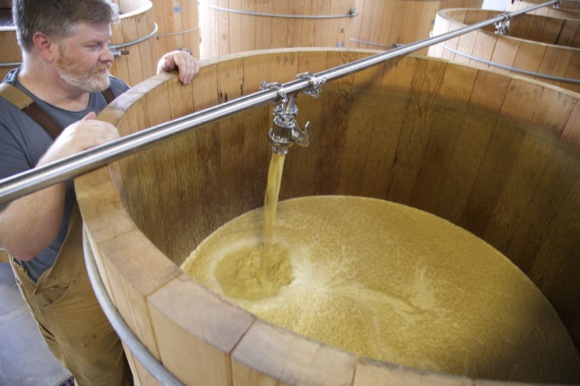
(77, 75)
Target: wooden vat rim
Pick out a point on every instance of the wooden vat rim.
(444, 15)
(144, 5)
(352, 13)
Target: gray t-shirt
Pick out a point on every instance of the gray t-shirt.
(23, 142)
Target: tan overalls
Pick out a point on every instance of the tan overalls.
(70, 318)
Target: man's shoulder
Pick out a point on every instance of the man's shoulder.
(117, 85)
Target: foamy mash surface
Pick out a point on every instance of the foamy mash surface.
(392, 283)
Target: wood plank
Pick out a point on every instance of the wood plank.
(264, 26)
(573, 72)
(370, 373)
(505, 53)
(489, 179)
(377, 23)
(270, 355)
(334, 113)
(557, 266)
(571, 133)
(309, 27)
(236, 34)
(205, 86)
(162, 10)
(451, 158)
(196, 331)
(555, 62)
(281, 35)
(483, 48)
(309, 111)
(210, 31)
(529, 56)
(465, 45)
(120, 66)
(415, 130)
(298, 38)
(223, 32)
(248, 25)
(322, 34)
(518, 156)
(128, 268)
(366, 11)
(569, 34)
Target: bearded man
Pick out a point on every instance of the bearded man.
(65, 71)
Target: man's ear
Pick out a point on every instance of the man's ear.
(45, 46)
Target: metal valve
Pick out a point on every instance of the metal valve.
(286, 132)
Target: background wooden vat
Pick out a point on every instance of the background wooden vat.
(517, 189)
(137, 30)
(545, 45)
(226, 32)
(381, 24)
(178, 24)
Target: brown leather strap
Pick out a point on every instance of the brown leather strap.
(19, 99)
(108, 95)
(41, 117)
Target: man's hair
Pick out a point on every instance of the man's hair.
(58, 18)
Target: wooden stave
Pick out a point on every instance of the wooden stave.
(178, 24)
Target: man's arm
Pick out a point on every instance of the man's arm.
(29, 224)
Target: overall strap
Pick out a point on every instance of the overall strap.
(29, 107)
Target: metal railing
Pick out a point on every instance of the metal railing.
(41, 177)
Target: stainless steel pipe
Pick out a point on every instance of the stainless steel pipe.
(35, 179)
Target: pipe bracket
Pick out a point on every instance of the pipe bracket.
(502, 27)
(316, 84)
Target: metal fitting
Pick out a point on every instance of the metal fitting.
(286, 132)
(503, 27)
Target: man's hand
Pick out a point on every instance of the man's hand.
(79, 136)
(182, 61)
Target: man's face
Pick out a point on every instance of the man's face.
(84, 58)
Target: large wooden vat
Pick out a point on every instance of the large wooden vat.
(178, 24)
(246, 25)
(134, 39)
(536, 46)
(516, 188)
(383, 24)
